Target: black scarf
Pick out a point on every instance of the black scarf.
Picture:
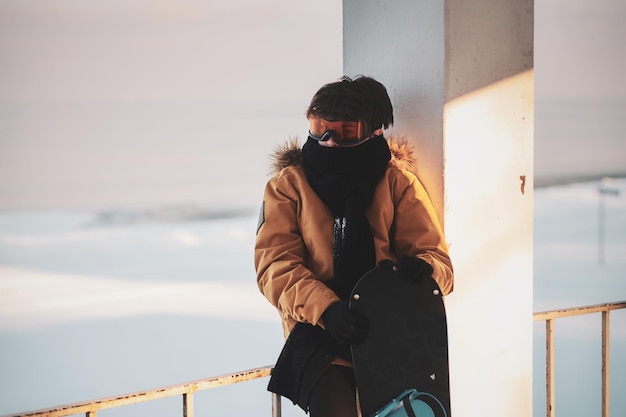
(345, 179)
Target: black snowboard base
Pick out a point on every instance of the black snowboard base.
(407, 342)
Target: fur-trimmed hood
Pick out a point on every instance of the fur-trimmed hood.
(290, 154)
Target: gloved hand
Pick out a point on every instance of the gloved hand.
(343, 324)
(413, 269)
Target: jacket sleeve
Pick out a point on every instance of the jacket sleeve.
(419, 233)
(280, 258)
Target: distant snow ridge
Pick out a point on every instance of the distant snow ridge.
(169, 214)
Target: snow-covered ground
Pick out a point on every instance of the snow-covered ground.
(98, 304)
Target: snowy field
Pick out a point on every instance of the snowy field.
(98, 304)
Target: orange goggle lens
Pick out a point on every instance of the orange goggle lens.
(345, 133)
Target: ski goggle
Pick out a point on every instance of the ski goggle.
(343, 132)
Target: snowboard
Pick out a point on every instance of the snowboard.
(406, 346)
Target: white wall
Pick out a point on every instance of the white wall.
(461, 76)
(401, 43)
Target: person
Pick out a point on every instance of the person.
(345, 201)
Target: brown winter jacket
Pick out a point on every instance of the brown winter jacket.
(293, 252)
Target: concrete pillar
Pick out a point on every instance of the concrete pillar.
(460, 76)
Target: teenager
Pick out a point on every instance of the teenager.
(345, 201)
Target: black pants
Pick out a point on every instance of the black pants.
(334, 395)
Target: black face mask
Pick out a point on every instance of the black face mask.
(336, 172)
(345, 180)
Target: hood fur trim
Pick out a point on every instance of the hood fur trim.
(290, 154)
(286, 155)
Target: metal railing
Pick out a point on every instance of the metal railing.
(549, 317)
(187, 389)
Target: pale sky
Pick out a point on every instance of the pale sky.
(579, 49)
(147, 103)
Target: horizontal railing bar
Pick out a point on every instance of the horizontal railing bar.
(575, 311)
(142, 396)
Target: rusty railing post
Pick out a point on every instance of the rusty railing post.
(550, 412)
(606, 360)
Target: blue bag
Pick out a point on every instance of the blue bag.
(412, 403)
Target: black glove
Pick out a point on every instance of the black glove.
(343, 324)
(413, 269)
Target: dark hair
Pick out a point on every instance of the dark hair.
(351, 99)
